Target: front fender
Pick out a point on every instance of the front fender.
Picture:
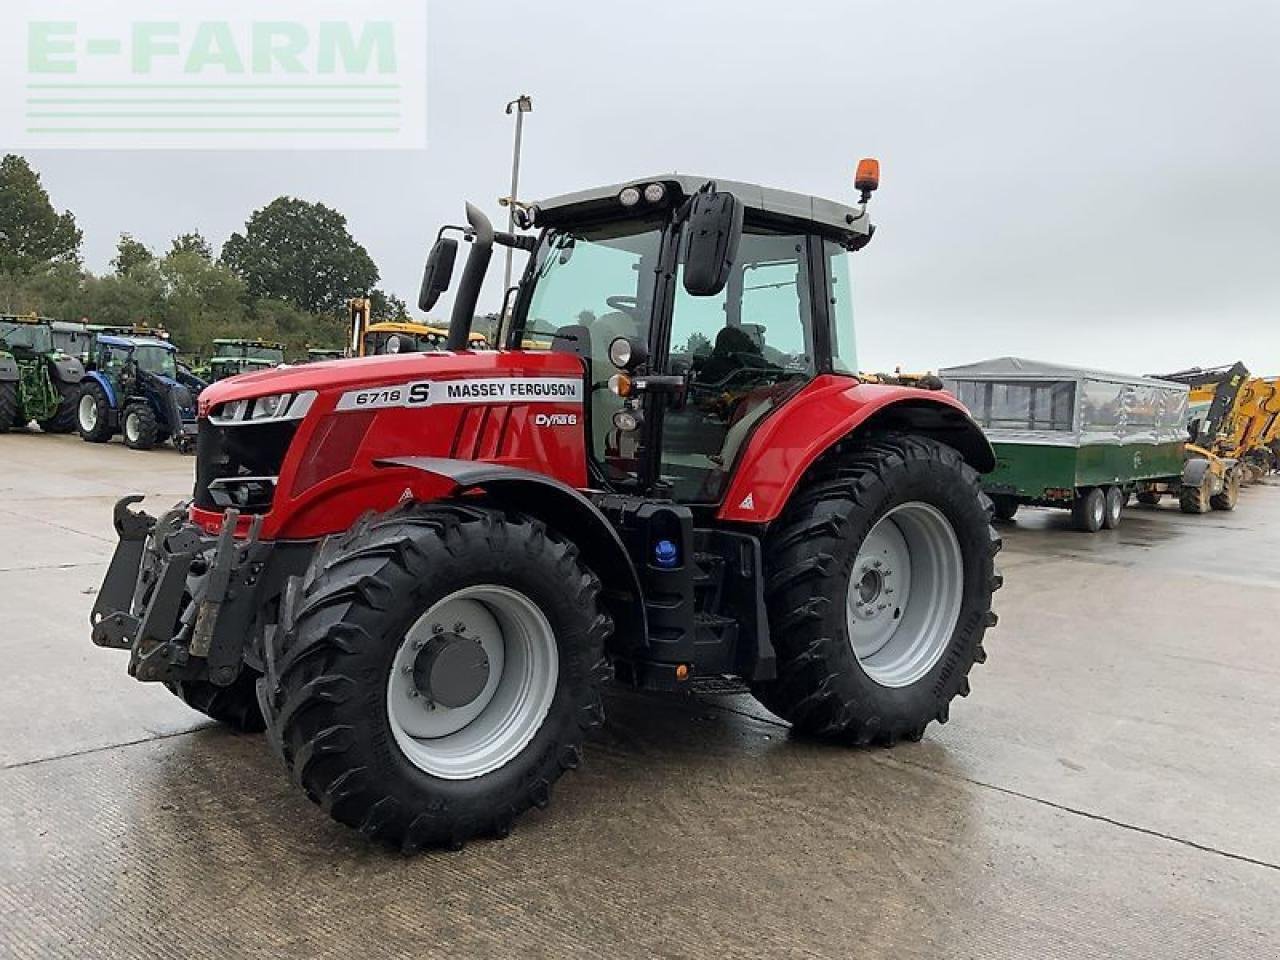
(565, 510)
(8, 370)
(103, 382)
(829, 409)
(68, 370)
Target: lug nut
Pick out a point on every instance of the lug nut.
(459, 627)
(437, 628)
(413, 693)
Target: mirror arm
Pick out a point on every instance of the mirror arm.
(517, 241)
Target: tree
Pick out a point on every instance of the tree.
(130, 254)
(193, 242)
(387, 306)
(698, 345)
(32, 234)
(302, 253)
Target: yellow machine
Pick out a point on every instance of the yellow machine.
(396, 336)
(1254, 427)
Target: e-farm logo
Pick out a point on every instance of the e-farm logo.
(213, 74)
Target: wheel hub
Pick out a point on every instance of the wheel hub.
(451, 670)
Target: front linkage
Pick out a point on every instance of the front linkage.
(180, 602)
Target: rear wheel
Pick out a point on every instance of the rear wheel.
(64, 418)
(436, 672)
(1230, 495)
(1089, 511)
(93, 413)
(1115, 499)
(8, 406)
(1004, 507)
(139, 426)
(879, 578)
(1149, 498)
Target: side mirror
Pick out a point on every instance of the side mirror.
(438, 272)
(712, 233)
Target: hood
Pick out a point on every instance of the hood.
(390, 369)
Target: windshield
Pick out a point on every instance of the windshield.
(26, 336)
(269, 354)
(156, 360)
(601, 280)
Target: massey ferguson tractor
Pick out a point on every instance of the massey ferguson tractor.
(419, 571)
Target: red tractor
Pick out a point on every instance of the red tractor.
(418, 572)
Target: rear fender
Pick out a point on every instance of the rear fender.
(563, 509)
(827, 411)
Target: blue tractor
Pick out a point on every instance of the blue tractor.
(134, 386)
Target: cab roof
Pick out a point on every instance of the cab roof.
(112, 340)
(237, 342)
(770, 201)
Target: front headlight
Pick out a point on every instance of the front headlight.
(275, 407)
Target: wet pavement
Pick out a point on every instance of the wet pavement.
(1109, 789)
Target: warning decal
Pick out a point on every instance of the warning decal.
(427, 393)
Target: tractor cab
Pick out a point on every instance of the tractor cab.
(697, 307)
(135, 386)
(233, 357)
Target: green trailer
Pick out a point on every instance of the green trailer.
(1071, 437)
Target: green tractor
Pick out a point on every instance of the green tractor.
(37, 380)
(232, 357)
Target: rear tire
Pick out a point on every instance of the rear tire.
(139, 426)
(1115, 498)
(64, 420)
(8, 406)
(93, 413)
(1004, 507)
(1089, 511)
(1149, 498)
(339, 700)
(820, 565)
(235, 706)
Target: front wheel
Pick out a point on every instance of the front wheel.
(234, 706)
(93, 413)
(1004, 506)
(139, 426)
(1230, 494)
(878, 581)
(8, 406)
(64, 418)
(436, 672)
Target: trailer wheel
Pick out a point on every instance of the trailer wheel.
(1089, 510)
(1195, 499)
(878, 581)
(139, 426)
(93, 413)
(1230, 495)
(1115, 498)
(64, 418)
(436, 672)
(8, 406)
(1004, 506)
(1149, 498)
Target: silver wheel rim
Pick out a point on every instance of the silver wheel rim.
(1115, 504)
(1098, 507)
(464, 742)
(904, 594)
(131, 429)
(88, 412)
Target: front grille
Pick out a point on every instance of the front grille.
(244, 450)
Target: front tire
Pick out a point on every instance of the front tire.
(64, 419)
(1195, 499)
(139, 426)
(1004, 506)
(8, 406)
(93, 413)
(1230, 495)
(458, 744)
(898, 520)
(234, 706)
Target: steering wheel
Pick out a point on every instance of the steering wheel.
(628, 305)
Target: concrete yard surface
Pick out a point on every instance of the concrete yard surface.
(1109, 789)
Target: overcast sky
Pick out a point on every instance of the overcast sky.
(1084, 182)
